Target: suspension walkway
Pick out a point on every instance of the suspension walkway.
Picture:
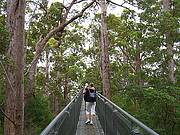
(83, 129)
(109, 120)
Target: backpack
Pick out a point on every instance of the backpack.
(92, 95)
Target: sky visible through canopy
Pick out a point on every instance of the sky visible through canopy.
(116, 10)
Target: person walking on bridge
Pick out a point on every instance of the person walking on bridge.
(90, 99)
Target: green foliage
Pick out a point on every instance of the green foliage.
(156, 107)
(161, 105)
(55, 12)
(154, 101)
(37, 115)
(4, 40)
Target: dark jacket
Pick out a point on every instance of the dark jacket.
(90, 95)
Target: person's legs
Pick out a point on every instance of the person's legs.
(88, 113)
(93, 112)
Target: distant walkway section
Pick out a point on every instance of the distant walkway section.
(84, 129)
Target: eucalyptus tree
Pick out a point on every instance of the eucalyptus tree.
(167, 6)
(14, 108)
(104, 48)
(59, 27)
(14, 103)
(149, 30)
(67, 61)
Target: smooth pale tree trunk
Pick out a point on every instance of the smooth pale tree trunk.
(14, 104)
(104, 48)
(169, 43)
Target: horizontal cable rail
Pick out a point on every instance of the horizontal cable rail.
(65, 123)
(116, 121)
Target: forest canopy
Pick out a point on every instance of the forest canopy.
(48, 52)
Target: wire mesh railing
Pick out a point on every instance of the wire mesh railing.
(65, 123)
(116, 121)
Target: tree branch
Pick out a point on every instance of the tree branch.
(6, 116)
(7, 76)
(80, 14)
(37, 54)
(42, 42)
(39, 4)
(64, 6)
(79, 1)
(120, 5)
(128, 58)
(68, 9)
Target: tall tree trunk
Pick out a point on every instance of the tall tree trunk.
(14, 107)
(125, 61)
(55, 104)
(9, 124)
(66, 91)
(104, 48)
(169, 43)
(47, 71)
(171, 64)
(170, 124)
(138, 66)
(100, 57)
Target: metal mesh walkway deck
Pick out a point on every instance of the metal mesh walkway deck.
(83, 129)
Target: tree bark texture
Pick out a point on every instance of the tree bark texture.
(55, 104)
(14, 107)
(104, 48)
(169, 43)
(47, 71)
(125, 61)
(138, 65)
(66, 91)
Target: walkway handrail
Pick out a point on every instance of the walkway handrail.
(65, 123)
(117, 114)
